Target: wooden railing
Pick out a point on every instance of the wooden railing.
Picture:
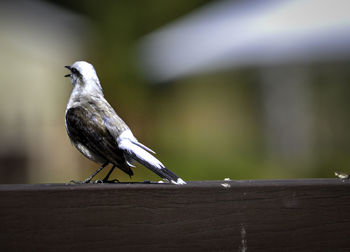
(276, 215)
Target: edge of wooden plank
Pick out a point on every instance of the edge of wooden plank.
(190, 184)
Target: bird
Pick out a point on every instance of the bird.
(97, 131)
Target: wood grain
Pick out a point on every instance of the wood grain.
(290, 215)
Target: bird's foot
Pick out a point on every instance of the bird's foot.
(106, 181)
(79, 182)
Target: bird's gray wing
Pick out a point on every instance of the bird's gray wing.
(87, 127)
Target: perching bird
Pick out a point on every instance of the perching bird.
(99, 133)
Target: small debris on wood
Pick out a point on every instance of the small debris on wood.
(226, 185)
(342, 175)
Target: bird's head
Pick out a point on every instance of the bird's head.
(83, 74)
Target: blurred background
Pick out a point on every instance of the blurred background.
(240, 89)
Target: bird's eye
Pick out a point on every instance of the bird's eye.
(74, 70)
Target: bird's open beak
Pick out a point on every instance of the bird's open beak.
(69, 68)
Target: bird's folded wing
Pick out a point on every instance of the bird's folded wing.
(87, 128)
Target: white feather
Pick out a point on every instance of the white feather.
(127, 142)
(144, 147)
(127, 134)
(133, 149)
(180, 182)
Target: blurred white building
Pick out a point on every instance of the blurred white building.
(231, 34)
(279, 38)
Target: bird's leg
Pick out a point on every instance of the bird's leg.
(91, 176)
(105, 180)
(109, 173)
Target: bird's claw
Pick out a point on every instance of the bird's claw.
(105, 181)
(79, 182)
(112, 181)
(76, 182)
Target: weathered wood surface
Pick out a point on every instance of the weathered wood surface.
(291, 215)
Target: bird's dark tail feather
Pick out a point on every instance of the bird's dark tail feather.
(141, 155)
(165, 173)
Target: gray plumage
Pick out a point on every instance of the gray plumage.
(99, 133)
